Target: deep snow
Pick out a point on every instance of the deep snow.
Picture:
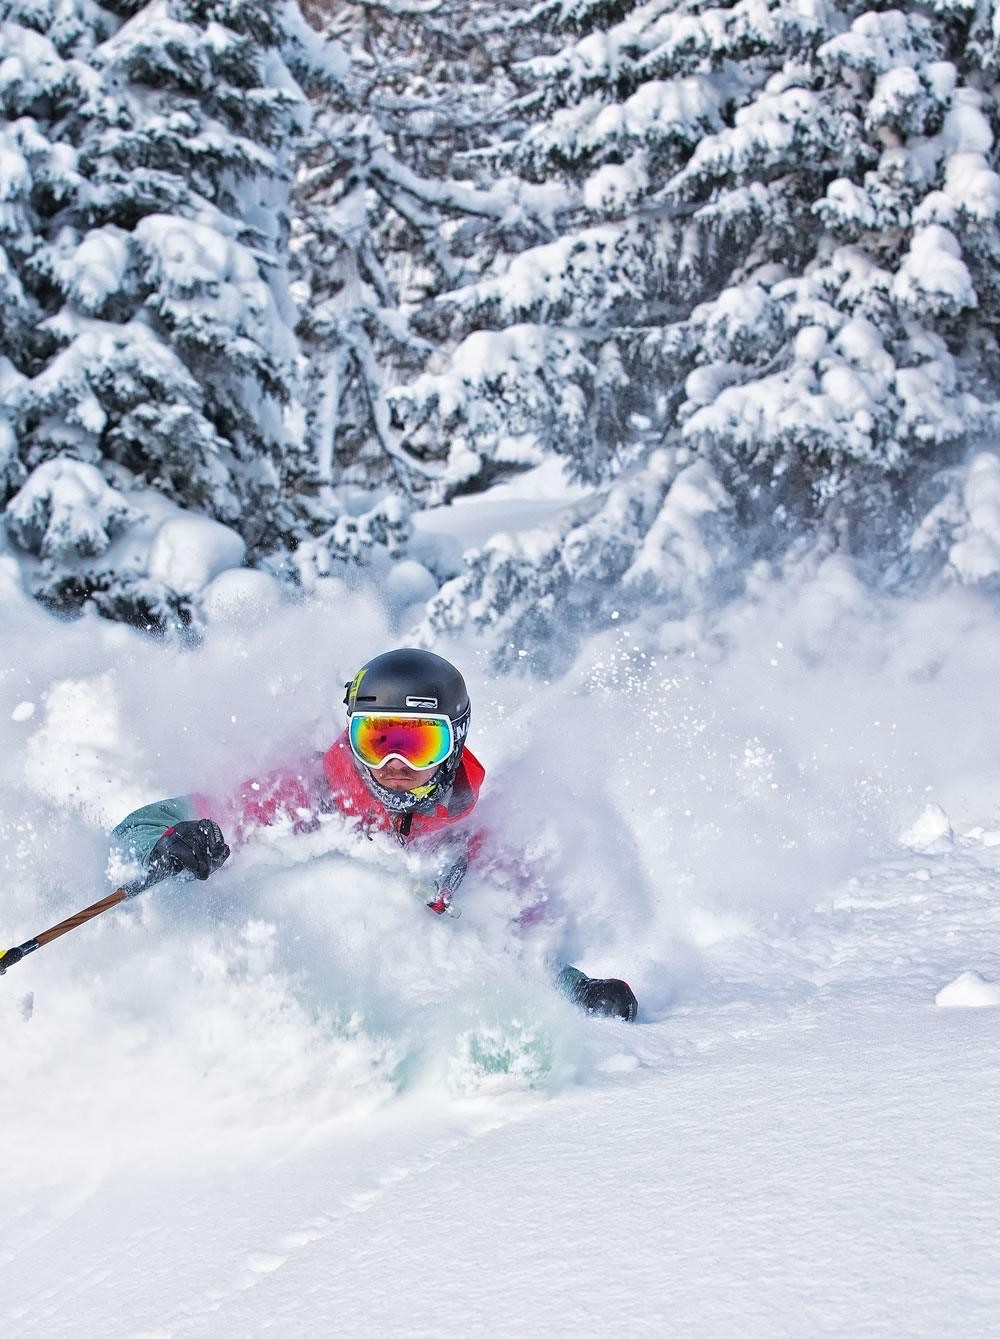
(294, 1102)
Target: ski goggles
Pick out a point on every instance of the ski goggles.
(419, 741)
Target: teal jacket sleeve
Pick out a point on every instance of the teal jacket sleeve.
(138, 833)
(286, 795)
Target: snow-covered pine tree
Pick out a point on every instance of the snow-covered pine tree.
(396, 211)
(148, 340)
(777, 269)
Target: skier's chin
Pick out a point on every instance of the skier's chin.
(397, 780)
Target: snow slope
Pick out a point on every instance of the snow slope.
(293, 1102)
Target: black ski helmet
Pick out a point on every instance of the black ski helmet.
(411, 681)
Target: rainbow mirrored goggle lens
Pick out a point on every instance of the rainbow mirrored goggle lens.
(420, 741)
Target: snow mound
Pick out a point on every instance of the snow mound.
(407, 588)
(188, 551)
(931, 834)
(969, 991)
(983, 836)
(240, 595)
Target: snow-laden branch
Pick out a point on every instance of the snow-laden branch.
(506, 205)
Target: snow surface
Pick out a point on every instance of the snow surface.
(293, 1102)
(931, 832)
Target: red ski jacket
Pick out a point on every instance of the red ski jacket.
(352, 796)
(331, 782)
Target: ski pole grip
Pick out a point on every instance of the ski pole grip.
(11, 956)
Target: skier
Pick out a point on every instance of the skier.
(401, 766)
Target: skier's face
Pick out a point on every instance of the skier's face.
(398, 775)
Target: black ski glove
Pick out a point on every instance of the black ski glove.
(610, 997)
(196, 845)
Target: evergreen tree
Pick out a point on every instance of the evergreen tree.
(396, 210)
(776, 266)
(143, 287)
(734, 264)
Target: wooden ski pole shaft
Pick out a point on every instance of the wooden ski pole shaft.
(9, 957)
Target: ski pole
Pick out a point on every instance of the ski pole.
(161, 870)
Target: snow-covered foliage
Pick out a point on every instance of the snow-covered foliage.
(660, 534)
(147, 152)
(66, 507)
(733, 265)
(391, 219)
(777, 254)
(962, 530)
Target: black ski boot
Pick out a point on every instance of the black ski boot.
(606, 996)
